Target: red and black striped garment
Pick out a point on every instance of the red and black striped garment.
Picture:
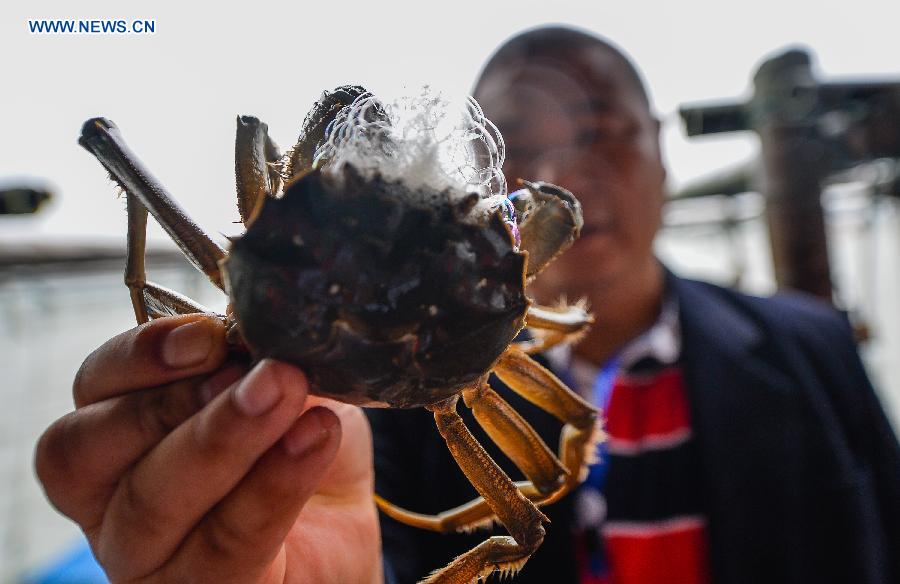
(640, 517)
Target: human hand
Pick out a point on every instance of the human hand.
(181, 466)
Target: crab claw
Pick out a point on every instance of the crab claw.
(550, 219)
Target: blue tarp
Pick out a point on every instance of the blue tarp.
(75, 566)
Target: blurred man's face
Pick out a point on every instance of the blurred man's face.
(580, 122)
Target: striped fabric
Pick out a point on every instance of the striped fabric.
(639, 514)
(654, 531)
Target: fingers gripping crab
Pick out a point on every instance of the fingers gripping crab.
(392, 269)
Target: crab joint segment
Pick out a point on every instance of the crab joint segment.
(538, 385)
(497, 553)
(555, 325)
(254, 178)
(161, 301)
(149, 300)
(135, 268)
(519, 515)
(516, 438)
(565, 319)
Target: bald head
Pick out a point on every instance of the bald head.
(559, 46)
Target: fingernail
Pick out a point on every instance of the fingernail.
(186, 345)
(259, 391)
(310, 432)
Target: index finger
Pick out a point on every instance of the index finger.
(152, 354)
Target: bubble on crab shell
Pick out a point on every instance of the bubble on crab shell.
(509, 217)
(425, 139)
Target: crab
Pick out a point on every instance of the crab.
(389, 298)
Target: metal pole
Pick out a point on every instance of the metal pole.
(795, 158)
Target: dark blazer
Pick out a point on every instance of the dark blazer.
(800, 467)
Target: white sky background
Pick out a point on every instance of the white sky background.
(175, 94)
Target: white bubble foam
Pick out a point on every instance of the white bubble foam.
(424, 140)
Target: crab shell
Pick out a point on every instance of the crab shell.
(383, 297)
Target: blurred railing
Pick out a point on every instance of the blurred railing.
(56, 305)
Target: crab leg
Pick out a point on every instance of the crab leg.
(554, 325)
(102, 138)
(578, 439)
(148, 299)
(161, 301)
(566, 319)
(135, 270)
(498, 552)
(253, 151)
(516, 438)
(538, 385)
(467, 517)
(521, 518)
